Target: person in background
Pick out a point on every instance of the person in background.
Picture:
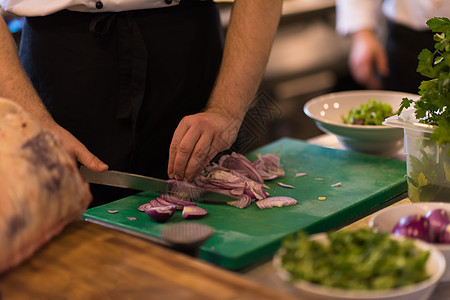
(149, 87)
(388, 60)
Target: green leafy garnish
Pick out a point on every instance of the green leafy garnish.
(354, 260)
(371, 113)
(432, 106)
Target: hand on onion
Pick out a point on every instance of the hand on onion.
(197, 139)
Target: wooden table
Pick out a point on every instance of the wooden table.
(88, 261)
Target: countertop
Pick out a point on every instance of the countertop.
(88, 261)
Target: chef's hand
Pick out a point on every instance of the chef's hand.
(197, 140)
(77, 150)
(367, 58)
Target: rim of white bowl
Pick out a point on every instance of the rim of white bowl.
(353, 92)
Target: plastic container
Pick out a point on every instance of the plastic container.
(427, 162)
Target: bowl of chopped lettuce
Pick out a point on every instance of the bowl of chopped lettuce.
(356, 117)
(359, 264)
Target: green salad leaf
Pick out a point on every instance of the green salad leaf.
(354, 260)
(371, 113)
(432, 106)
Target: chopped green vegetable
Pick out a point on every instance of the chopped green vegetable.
(354, 260)
(432, 106)
(371, 113)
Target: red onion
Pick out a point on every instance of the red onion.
(444, 234)
(269, 166)
(160, 214)
(112, 211)
(241, 164)
(244, 201)
(193, 212)
(286, 185)
(144, 206)
(176, 200)
(279, 201)
(438, 219)
(414, 226)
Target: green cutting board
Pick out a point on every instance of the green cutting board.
(244, 236)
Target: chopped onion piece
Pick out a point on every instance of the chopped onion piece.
(318, 178)
(113, 211)
(243, 202)
(337, 184)
(193, 212)
(286, 185)
(160, 214)
(279, 201)
(132, 218)
(145, 206)
(300, 174)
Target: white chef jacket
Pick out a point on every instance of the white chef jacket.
(354, 15)
(31, 8)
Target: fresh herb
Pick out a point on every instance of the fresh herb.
(371, 113)
(432, 106)
(354, 260)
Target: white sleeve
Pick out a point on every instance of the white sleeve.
(354, 15)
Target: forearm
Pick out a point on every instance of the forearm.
(14, 83)
(250, 34)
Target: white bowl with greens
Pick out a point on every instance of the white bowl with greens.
(330, 112)
(359, 264)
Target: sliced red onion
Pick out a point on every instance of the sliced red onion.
(243, 202)
(300, 174)
(241, 164)
(438, 219)
(279, 201)
(337, 184)
(160, 214)
(255, 190)
(176, 200)
(414, 226)
(286, 185)
(132, 218)
(269, 166)
(144, 206)
(113, 211)
(183, 189)
(163, 202)
(193, 212)
(444, 235)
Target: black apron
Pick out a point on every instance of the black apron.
(403, 46)
(121, 82)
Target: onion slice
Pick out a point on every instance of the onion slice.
(286, 185)
(243, 202)
(279, 201)
(193, 212)
(160, 214)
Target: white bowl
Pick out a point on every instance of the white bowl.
(422, 290)
(327, 111)
(386, 219)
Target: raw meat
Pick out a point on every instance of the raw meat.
(41, 190)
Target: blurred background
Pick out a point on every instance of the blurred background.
(308, 59)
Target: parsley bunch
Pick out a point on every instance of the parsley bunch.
(433, 106)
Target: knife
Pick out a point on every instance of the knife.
(149, 184)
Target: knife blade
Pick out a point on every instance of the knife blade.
(156, 185)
